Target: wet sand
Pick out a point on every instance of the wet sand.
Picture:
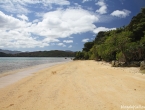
(13, 76)
(77, 85)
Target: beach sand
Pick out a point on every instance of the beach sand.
(13, 76)
(76, 85)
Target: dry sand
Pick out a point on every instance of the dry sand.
(77, 85)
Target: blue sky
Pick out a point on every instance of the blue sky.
(34, 25)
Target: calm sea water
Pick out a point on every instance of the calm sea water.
(12, 63)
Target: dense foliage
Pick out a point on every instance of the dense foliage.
(123, 44)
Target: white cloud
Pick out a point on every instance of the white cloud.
(15, 39)
(39, 14)
(13, 7)
(17, 33)
(85, 1)
(85, 40)
(61, 44)
(70, 46)
(102, 29)
(23, 33)
(49, 39)
(122, 14)
(9, 22)
(35, 21)
(103, 7)
(90, 8)
(68, 41)
(63, 23)
(23, 17)
(20, 6)
(58, 2)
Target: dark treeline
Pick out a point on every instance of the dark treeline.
(4, 54)
(123, 44)
(53, 53)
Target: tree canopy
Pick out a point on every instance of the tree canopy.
(126, 43)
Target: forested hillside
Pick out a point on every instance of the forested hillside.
(123, 44)
(53, 53)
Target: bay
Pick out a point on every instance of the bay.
(13, 63)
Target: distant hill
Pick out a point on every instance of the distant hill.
(68, 51)
(52, 53)
(9, 51)
(4, 54)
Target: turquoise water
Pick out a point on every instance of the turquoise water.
(12, 63)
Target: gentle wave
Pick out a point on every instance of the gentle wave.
(13, 63)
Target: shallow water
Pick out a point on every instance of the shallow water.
(13, 63)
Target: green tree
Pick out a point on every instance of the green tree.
(79, 55)
(122, 41)
(88, 46)
(137, 25)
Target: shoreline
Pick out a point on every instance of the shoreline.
(18, 74)
(76, 85)
(8, 64)
(10, 77)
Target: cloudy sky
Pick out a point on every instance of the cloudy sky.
(32, 25)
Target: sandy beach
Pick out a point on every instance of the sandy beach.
(76, 85)
(13, 76)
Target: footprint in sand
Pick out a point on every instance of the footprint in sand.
(10, 105)
(53, 72)
(30, 91)
(20, 96)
